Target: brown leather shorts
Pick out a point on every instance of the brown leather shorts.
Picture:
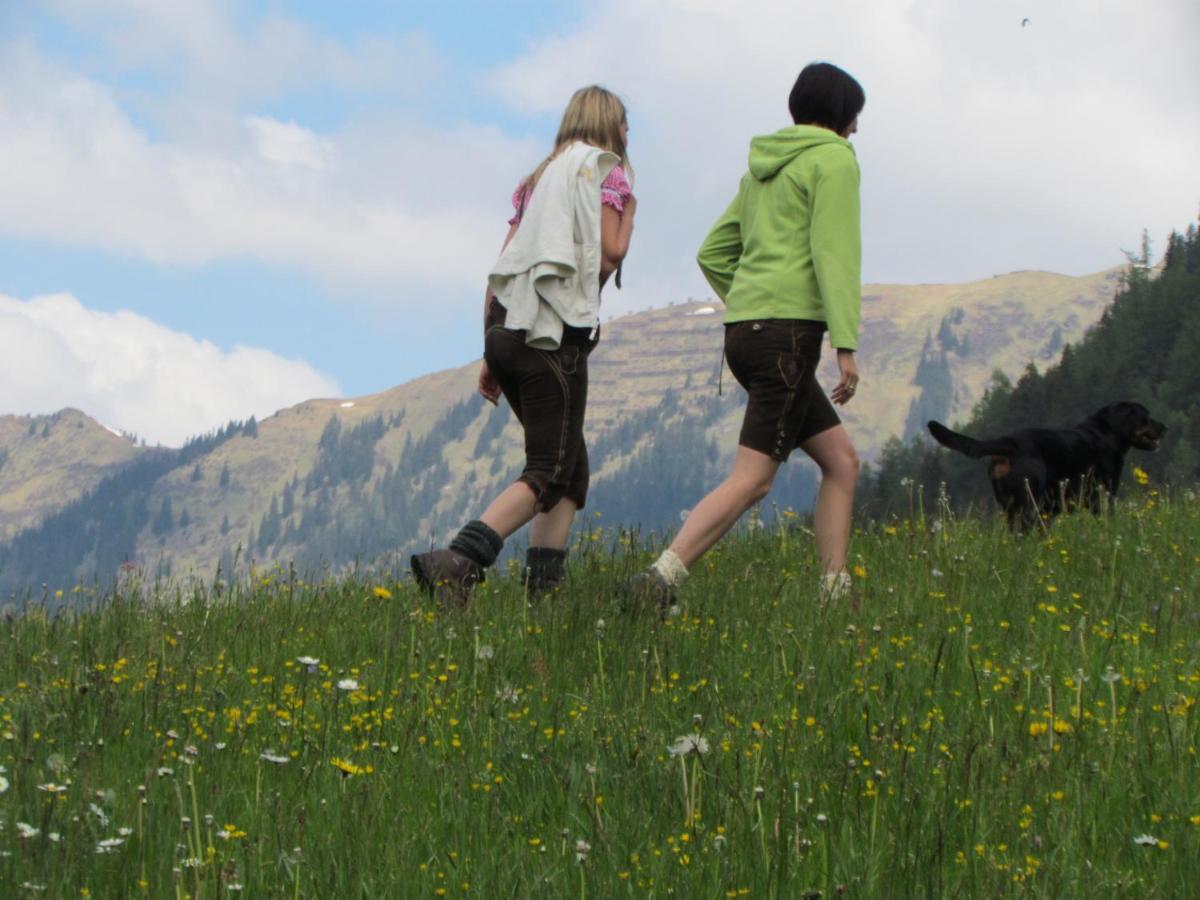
(775, 360)
(547, 390)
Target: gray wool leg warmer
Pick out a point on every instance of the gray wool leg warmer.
(478, 543)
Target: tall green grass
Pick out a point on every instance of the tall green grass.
(989, 716)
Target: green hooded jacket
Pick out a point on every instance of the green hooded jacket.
(789, 245)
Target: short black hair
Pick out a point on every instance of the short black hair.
(825, 95)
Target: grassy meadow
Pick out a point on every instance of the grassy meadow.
(991, 716)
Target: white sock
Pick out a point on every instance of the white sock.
(670, 568)
(835, 585)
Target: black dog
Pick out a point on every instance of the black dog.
(1042, 471)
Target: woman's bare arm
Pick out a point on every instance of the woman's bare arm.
(616, 229)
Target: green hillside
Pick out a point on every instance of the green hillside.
(992, 716)
(1145, 348)
(48, 461)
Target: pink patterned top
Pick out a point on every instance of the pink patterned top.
(614, 191)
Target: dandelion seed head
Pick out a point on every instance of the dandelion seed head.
(582, 849)
(688, 743)
(56, 763)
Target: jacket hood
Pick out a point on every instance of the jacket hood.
(771, 152)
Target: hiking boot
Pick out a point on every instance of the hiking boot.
(647, 590)
(447, 576)
(545, 570)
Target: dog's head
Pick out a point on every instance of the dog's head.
(1132, 423)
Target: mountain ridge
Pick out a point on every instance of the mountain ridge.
(333, 480)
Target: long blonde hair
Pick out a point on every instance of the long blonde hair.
(595, 116)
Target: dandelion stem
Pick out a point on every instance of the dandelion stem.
(600, 665)
(687, 796)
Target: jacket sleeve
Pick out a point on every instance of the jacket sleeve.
(722, 249)
(836, 243)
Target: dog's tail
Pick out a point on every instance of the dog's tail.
(1000, 447)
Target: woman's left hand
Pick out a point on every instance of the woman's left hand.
(848, 384)
(489, 387)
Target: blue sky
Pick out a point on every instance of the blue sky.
(306, 196)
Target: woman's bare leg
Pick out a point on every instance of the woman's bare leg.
(551, 528)
(833, 452)
(747, 483)
(515, 506)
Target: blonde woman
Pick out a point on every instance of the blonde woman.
(571, 229)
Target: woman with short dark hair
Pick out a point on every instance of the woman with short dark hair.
(786, 259)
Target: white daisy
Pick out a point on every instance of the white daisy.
(109, 845)
(347, 684)
(27, 831)
(272, 757)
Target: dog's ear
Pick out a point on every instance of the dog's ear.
(1124, 417)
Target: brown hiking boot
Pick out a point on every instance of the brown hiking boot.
(447, 576)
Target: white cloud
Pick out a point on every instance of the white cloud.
(136, 375)
(204, 46)
(76, 168)
(286, 143)
(985, 146)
